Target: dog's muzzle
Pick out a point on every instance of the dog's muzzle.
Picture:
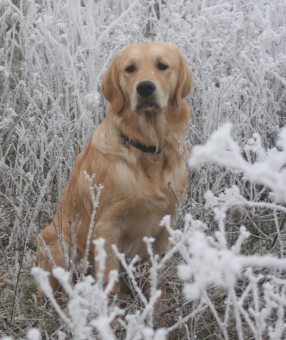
(146, 96)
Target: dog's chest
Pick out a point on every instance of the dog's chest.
(152, 186)
(149, 196)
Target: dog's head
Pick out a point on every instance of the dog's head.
(146, 77)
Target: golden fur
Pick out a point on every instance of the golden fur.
(139, 188)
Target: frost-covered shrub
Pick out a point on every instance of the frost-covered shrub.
(259, 307)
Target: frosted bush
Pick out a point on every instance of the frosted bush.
(90, 310)
(269, 169)
(210, 260)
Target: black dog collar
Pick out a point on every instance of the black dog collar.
(142, 147)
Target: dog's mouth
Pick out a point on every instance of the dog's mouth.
(149, 105)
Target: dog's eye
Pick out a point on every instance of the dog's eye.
(162, 66)
(130, 69)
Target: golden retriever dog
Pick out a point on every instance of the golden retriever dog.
(137, 155)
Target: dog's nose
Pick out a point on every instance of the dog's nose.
(146, 88)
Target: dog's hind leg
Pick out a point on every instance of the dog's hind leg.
(53, 251)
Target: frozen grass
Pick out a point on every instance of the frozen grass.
(52, 54)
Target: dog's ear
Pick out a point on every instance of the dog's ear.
(111, 89)
(184, 84)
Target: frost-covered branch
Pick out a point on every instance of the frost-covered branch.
(269, 169)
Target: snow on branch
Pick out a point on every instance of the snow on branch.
(268, 170)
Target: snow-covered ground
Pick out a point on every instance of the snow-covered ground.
(225, 268)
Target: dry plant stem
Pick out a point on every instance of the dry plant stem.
(129, 270)
(17, 280)
(47, 252)
(258, 229)
(95, 201)
(154, 292)
(236, 314)
(100, 259)
(221, 324)
(281, 243)
(178, 324)
(59, 310)
(276, 236)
